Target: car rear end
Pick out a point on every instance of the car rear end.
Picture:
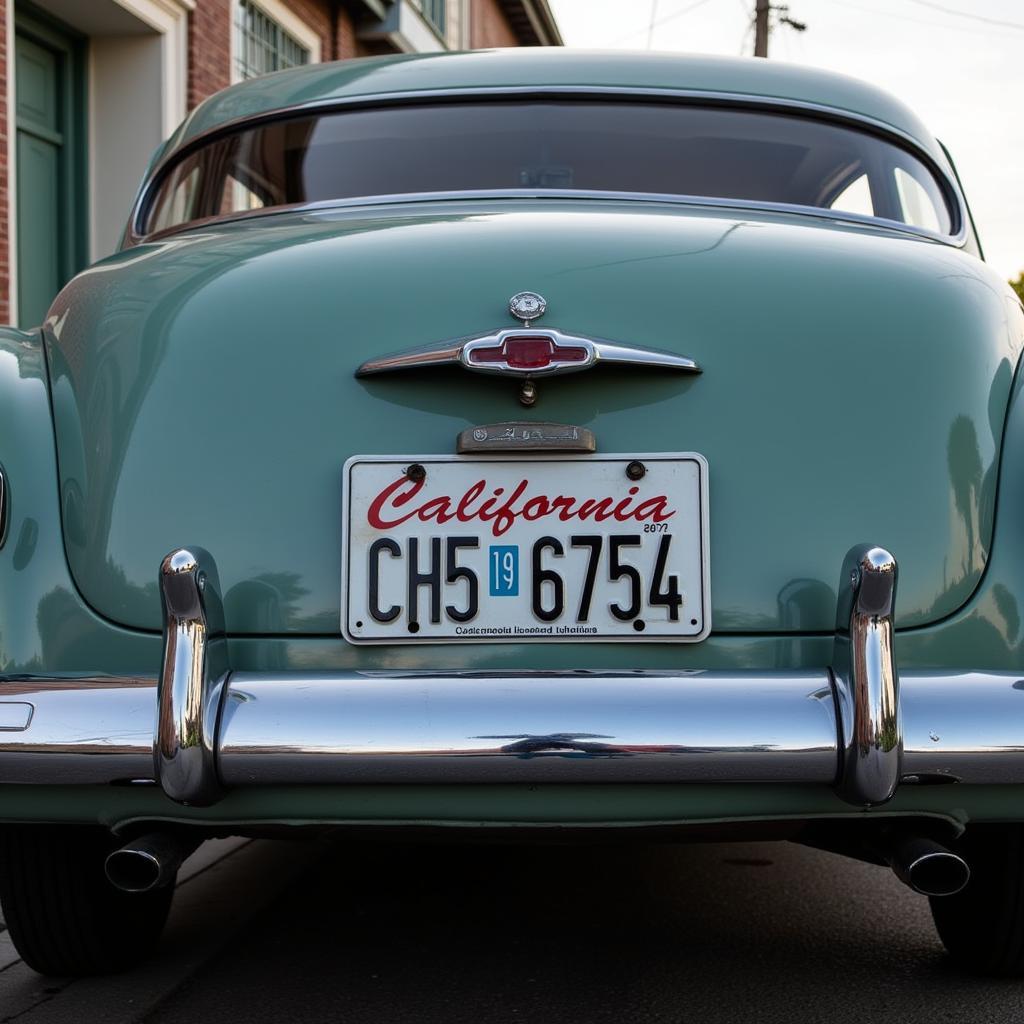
(538, 457)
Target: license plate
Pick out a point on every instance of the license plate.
(560, 547)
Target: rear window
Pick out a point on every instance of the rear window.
(653, 148)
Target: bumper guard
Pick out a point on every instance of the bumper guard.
(201, 728)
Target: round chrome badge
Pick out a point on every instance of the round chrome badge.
(527, 306)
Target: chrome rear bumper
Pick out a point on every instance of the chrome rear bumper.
(200, 728)
(615, 727)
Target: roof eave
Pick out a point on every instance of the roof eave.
(374, 8)
(532, 21)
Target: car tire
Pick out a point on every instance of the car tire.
(982, 926)
(62, 914)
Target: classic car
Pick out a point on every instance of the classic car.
(518, 439)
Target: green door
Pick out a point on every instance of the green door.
(50, 182)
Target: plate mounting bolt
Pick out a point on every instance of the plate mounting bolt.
(416, 472)
(636, 470)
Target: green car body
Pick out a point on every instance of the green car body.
(859, 383)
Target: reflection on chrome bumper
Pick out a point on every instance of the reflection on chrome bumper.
(485, 728)
(531, 727)
(200, 728)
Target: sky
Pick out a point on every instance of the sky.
(958, 63)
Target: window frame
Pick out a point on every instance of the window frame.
(961, 233)
(286, 20)
(426, 9)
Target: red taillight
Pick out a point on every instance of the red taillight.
(529, 352)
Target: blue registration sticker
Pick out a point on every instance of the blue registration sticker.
(504, 570)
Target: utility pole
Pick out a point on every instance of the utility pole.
(761, 29)
(762, 24)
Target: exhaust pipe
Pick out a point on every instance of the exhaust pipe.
(149, 862)
(926, 866)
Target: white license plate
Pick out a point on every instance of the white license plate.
(558, 547)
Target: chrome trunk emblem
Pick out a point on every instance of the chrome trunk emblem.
(544, 353)
(527, 306)
(535, 353)
(527, 352)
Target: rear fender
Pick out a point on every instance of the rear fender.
(45, 626)
(988, 632)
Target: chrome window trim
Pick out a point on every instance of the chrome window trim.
(135, 234)
(569, 195)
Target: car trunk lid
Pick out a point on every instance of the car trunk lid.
(854, 386)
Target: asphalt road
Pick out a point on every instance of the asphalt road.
(481, 933)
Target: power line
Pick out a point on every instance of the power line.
(664, 20)
(909, 17)
(745, 7)
(746, 37)
(679, 14)
(650, 26)
(968, 14)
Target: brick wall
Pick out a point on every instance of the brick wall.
(5, 254)
(318, 16)
(488, 26)
(209, 49)
(335, 27)
(209, 41)
(345, 43)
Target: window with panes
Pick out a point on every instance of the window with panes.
(434, 12)
(261, 44)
